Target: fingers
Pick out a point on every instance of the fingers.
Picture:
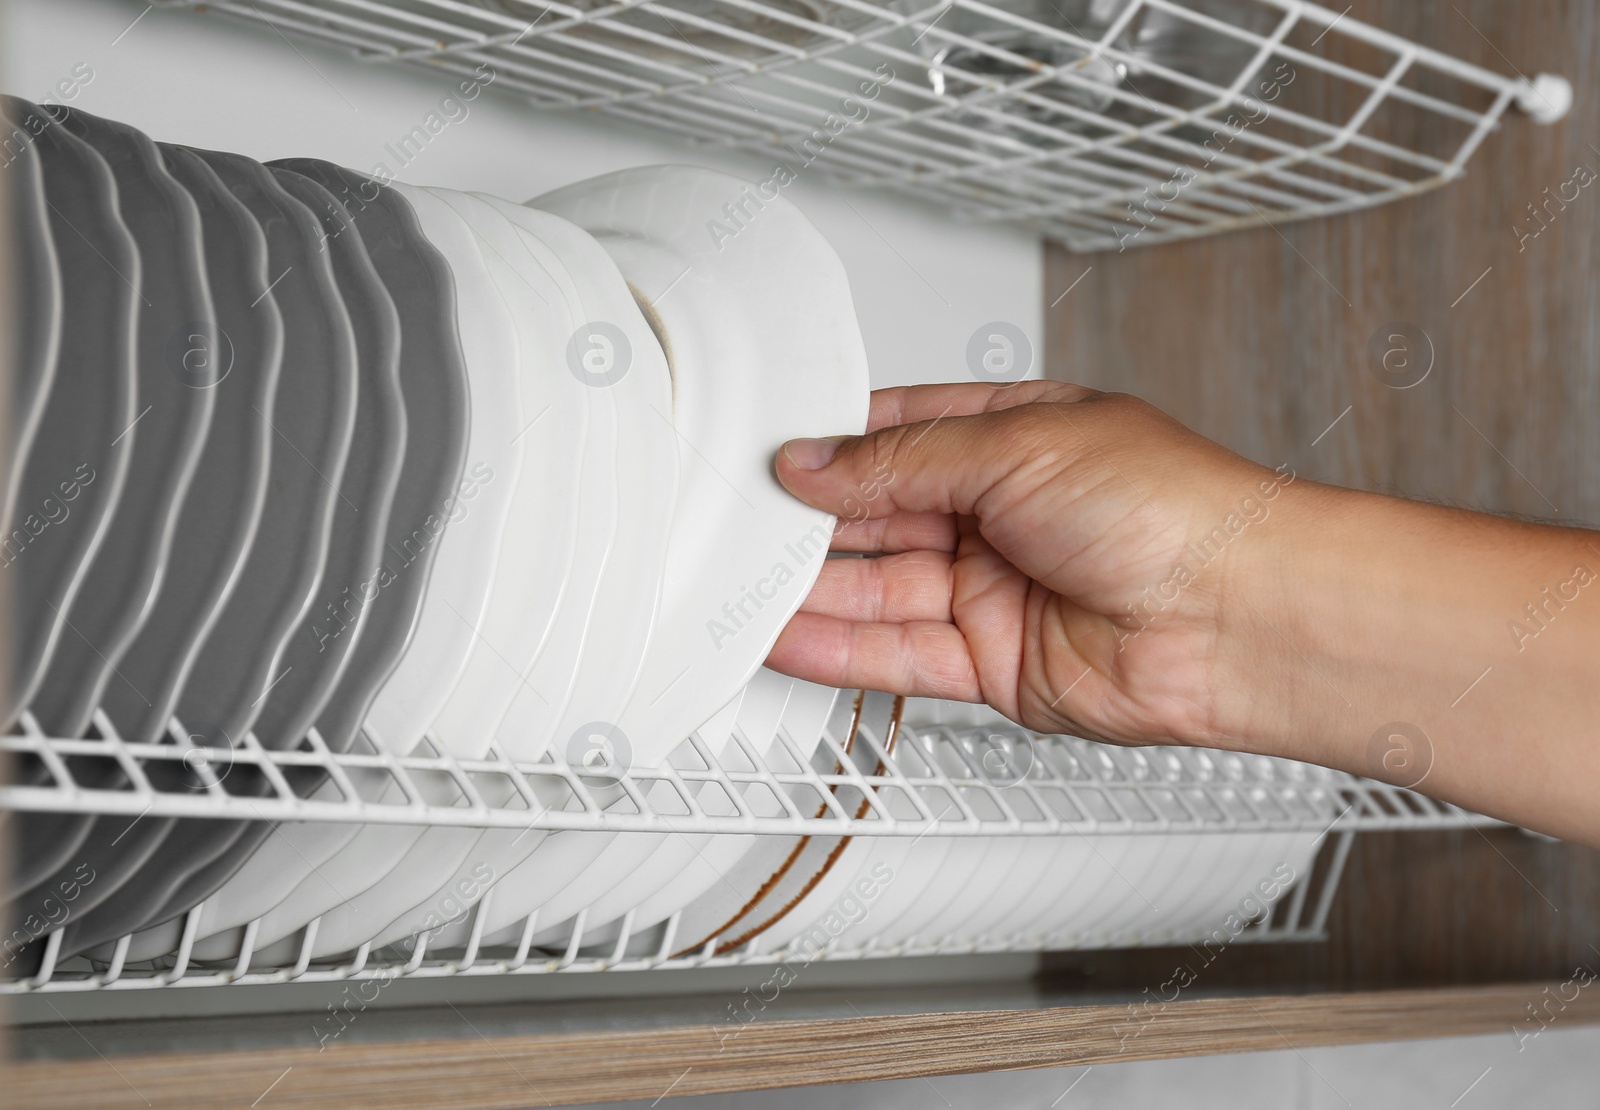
(911, 403)
(945, 465)
(894, 589)
(922, 658)
(876, 532)
(900, 532)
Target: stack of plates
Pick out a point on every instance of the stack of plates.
(301, 455)
(307, 458)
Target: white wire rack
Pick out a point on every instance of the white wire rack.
(1102, 123)
(863, 771)
(1300, 916)
(1044, 786)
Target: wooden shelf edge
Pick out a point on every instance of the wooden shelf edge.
(557, 1069)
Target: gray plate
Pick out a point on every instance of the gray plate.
(315, 659)
(168, 434)
(38, 308)
(312, 662)
(79, 458)
(225, 499)
(311, 425)
(37, 336)
(239, 354)
(433, 380)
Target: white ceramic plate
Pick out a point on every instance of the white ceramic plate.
(770, 870)
(713, 863)
(957, 863)
(1253, 858)
(761, 336)
(570, 871)
(471, 526)
(625, 374)
(761, 712)
(851, 892)
(646, 862)
(541, 539)
(729, 422)
(297, 855)
(526, 885)
(628, 445)
(607, 641)
(542, 535)
(549, 526)
(1104, 882)
(467, 531)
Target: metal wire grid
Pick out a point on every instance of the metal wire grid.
(1041, 786)
(1300, 916)
(1140, 121)
(851, 784)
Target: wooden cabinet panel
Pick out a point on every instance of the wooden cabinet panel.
(1260, 340)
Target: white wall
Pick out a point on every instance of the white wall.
(922, 283)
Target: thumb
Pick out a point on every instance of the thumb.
(945, 465)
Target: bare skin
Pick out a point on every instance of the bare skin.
(1085, 564)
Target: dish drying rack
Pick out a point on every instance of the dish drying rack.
(1101, 123)
(1041, 786)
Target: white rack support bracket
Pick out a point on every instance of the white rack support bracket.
(1101, 123)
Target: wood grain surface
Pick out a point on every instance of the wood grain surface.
(1259, 339)
(1247, 337)
(464, 1073)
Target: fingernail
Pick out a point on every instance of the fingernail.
(811, 454)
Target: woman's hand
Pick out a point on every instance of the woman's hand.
(1085, 564)
(1061, 554)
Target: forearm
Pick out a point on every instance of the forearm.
(1482, 633)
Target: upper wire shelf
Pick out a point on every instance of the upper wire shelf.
(1101, 123)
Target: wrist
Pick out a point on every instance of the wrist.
(1286, 615)
(1425, 645)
